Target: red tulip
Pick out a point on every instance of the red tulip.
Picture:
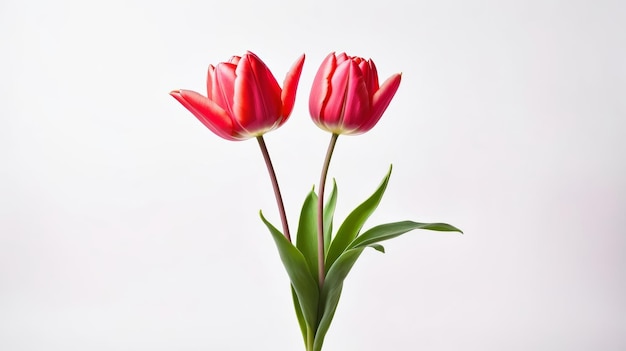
(345, 97)
(243, 98)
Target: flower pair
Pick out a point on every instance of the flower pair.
(244, 99)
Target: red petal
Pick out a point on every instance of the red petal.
(333, 112)
(381, 100)
(210, 77)
(342, 57)
(257, 105)
(356, 108)
(207, 112)
(320, 91)
(290, 86)
(364, 67)
(371, 80)
(224, 86)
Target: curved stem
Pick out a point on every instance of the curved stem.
(320, 210)
(279, 198)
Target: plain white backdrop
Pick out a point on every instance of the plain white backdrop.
(127, 225)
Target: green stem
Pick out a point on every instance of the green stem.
(279, 198)
(320, 211)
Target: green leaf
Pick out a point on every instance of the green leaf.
(333, 285)
(306, 240)
(299, 315)
(352, 225)
(377, 247)
(392, 230)
(329, 213)
(304, 285)
(331, 292)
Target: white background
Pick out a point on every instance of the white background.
(127, 225)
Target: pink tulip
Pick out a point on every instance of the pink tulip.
(243, 98)
(345, 97)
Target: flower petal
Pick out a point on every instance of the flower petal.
(364, 67)
(356, 106)
(224, 86)
(257, 105)
(342, 57)
(320, 91)
(371, 79)
(290, 86)
(209, 81)
(207, 112)
(381, 100)
(333, 111)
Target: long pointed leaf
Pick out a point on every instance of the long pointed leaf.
(299, 315)
(329, 213)
(303, 283)
(392, 230)
(331, 292)
(354, 222)
(306, 240)
(333, 285)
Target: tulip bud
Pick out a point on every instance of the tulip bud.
(346, 98)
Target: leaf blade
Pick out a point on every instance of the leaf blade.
(295, 264)
(391, 230)
(329, 213)
(377, 247)
(331, 292)
(299, 315)
(306, 239)
(351, 226)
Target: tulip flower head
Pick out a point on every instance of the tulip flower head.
(346, 98)
(243, 98)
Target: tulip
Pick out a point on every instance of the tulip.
(345, 97)
(243, 98)
(245, 101)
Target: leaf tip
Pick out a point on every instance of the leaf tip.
(455, 229)
(388, 175)
(378, 247)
